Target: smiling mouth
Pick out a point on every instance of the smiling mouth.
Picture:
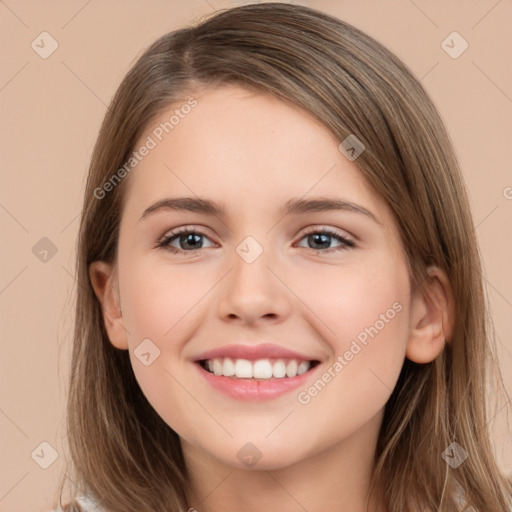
(258, 370)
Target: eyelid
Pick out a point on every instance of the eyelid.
(308, 231)
(172, 233)
(184, 229)
(346, 240)
(328, 230)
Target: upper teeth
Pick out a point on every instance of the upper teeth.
(260, 369)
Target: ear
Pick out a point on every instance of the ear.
(432, 318)
(104, 281)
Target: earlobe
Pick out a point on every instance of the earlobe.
(104, 282)
(432, 319)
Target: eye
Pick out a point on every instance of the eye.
(188, 240)
(319, 238)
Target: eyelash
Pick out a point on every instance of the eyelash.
(165, 242)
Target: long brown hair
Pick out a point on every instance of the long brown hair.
(121, 451)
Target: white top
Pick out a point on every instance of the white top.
(87, 503)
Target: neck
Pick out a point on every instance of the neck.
(336, 478)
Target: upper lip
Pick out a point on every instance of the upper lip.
(252, 353)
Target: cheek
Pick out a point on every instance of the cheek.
(159, 305)
(157, 300)
(342, 303)
(161, 302)
(349, 301)
(363, 316)
(368, 311)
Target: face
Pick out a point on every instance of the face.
(329, 284)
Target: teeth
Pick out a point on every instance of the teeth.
(228, 368)
(243, 368)
(279, 369)
(291, 368)
(217, 367)
(260, 369)
(303, 367)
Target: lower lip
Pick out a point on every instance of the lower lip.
(254, 390)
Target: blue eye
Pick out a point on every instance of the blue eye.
(184, 237)
(190, 240)
(321, 236)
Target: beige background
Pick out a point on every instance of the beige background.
(51, 112)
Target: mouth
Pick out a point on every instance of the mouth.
(250, 372)
(267, 369)
(256, 380)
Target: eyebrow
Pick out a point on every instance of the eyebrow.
(293, 206)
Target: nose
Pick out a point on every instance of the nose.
(254, 292)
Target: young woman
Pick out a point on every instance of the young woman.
(280, 304)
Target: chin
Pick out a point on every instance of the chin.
(259, 457)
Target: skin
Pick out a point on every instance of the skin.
(253, 153)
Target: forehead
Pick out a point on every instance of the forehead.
(245, 149)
